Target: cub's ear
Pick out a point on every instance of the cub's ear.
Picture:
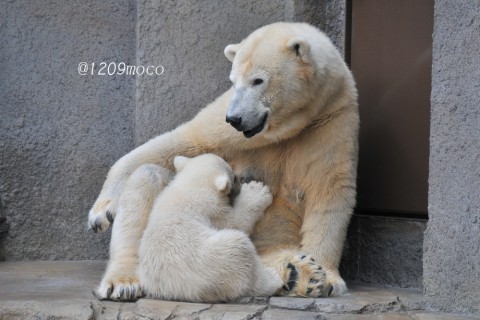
(223, 183)
(179, 162)
(300, 47)
(231, 50)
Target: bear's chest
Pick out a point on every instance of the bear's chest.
(287, 192)
(273, 168)
(245, 175)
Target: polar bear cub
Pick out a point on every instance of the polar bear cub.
(196, 246)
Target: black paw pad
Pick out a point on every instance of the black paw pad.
(292, 278)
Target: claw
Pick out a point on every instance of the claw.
(109, 216)
(120, 294)
(94, 228)
(109, 292)
(330, 291)
(98, 224)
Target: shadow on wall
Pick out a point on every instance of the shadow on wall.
(3, 231)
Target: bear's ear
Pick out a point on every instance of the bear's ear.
(231, 50)
(223, 183)
(179, 162)
(300, 47)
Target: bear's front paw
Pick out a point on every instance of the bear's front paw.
(339, 287)
(124, 288)
(257, 194)
(101, 215)
(303, 277)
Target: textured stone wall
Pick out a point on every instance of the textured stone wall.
(452, 240)
(188, 38)
(384, 251)
(60, 132)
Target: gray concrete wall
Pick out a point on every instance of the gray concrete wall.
(384, 251)
(328, 15)
(60, 132)
(452, 240)
(188, 38)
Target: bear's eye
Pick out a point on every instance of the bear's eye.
(257, 81)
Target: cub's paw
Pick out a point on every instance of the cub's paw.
(303, 277)
(257, 194)
(101, 215)
(124, 288)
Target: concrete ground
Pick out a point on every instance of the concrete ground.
(62, 290)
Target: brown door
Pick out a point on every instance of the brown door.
(391, 58)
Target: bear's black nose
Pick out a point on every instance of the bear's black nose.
(236, 122)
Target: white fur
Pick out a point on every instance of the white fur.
(306, 153)
(190, 250)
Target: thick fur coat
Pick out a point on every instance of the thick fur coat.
(292, 122)
(196, 246)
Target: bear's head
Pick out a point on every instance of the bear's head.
(283, 75)
(205, 171)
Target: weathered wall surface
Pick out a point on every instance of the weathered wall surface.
(60, 132)
(188, 38)
(452, 240)
(384, 250)
(328, 15)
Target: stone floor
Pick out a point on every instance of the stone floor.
(62, 290)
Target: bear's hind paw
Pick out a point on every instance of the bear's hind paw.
(304, 278)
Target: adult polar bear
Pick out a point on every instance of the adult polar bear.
(291, 122)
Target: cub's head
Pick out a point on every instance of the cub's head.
(282, 74)
(205, 171)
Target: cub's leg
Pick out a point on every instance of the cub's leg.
(249, 206)
(300, 274)
(120, 281)
(268, 281)
(233, 268)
